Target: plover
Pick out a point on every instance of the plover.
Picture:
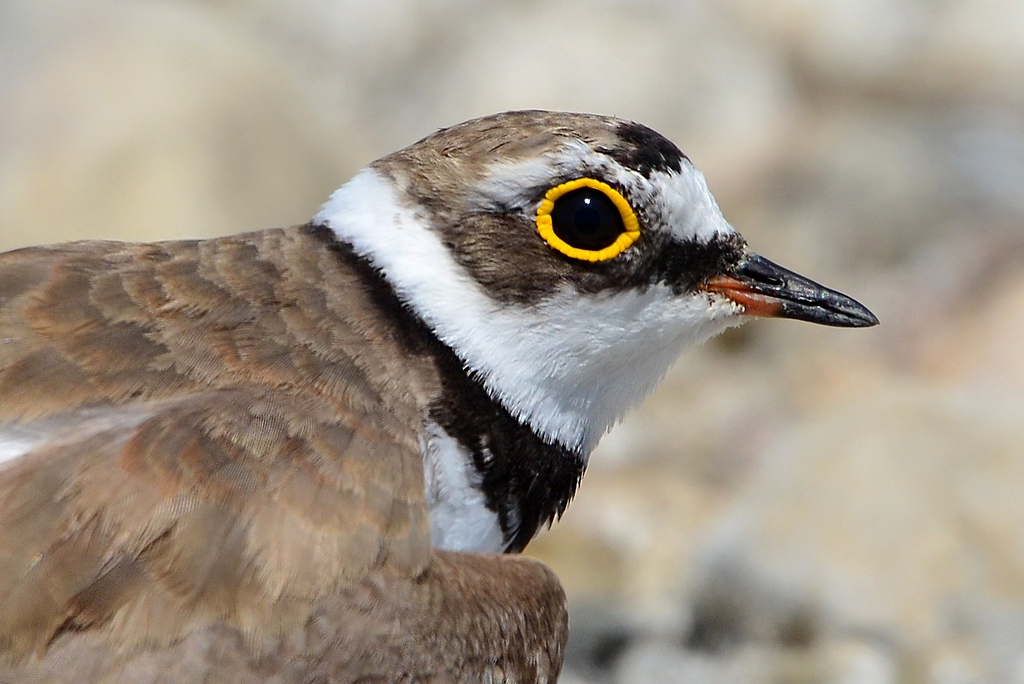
(311, 454)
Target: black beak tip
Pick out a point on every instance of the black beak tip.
(801, 298)
(864, 319)
(835, 309)
(861, 319)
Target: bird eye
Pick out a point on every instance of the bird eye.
(587, 219)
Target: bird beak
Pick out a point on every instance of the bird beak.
(764, 288)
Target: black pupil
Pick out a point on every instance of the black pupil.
(586, 219)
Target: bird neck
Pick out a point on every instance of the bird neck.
(527, 479)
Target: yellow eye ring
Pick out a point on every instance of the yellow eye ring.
(546, 228)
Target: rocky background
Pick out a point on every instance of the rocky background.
(796, 504)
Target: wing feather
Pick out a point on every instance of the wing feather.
(235, 505)
(196, 434)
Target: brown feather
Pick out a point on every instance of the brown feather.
(222, 479)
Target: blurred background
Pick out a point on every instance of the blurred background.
(795, 504)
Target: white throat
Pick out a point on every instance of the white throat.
(571, 366)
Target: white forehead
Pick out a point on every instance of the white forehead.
(679, 203)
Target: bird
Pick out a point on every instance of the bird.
(313, 454)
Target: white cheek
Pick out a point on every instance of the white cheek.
(577, 364)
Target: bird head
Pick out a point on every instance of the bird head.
(566, 259)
